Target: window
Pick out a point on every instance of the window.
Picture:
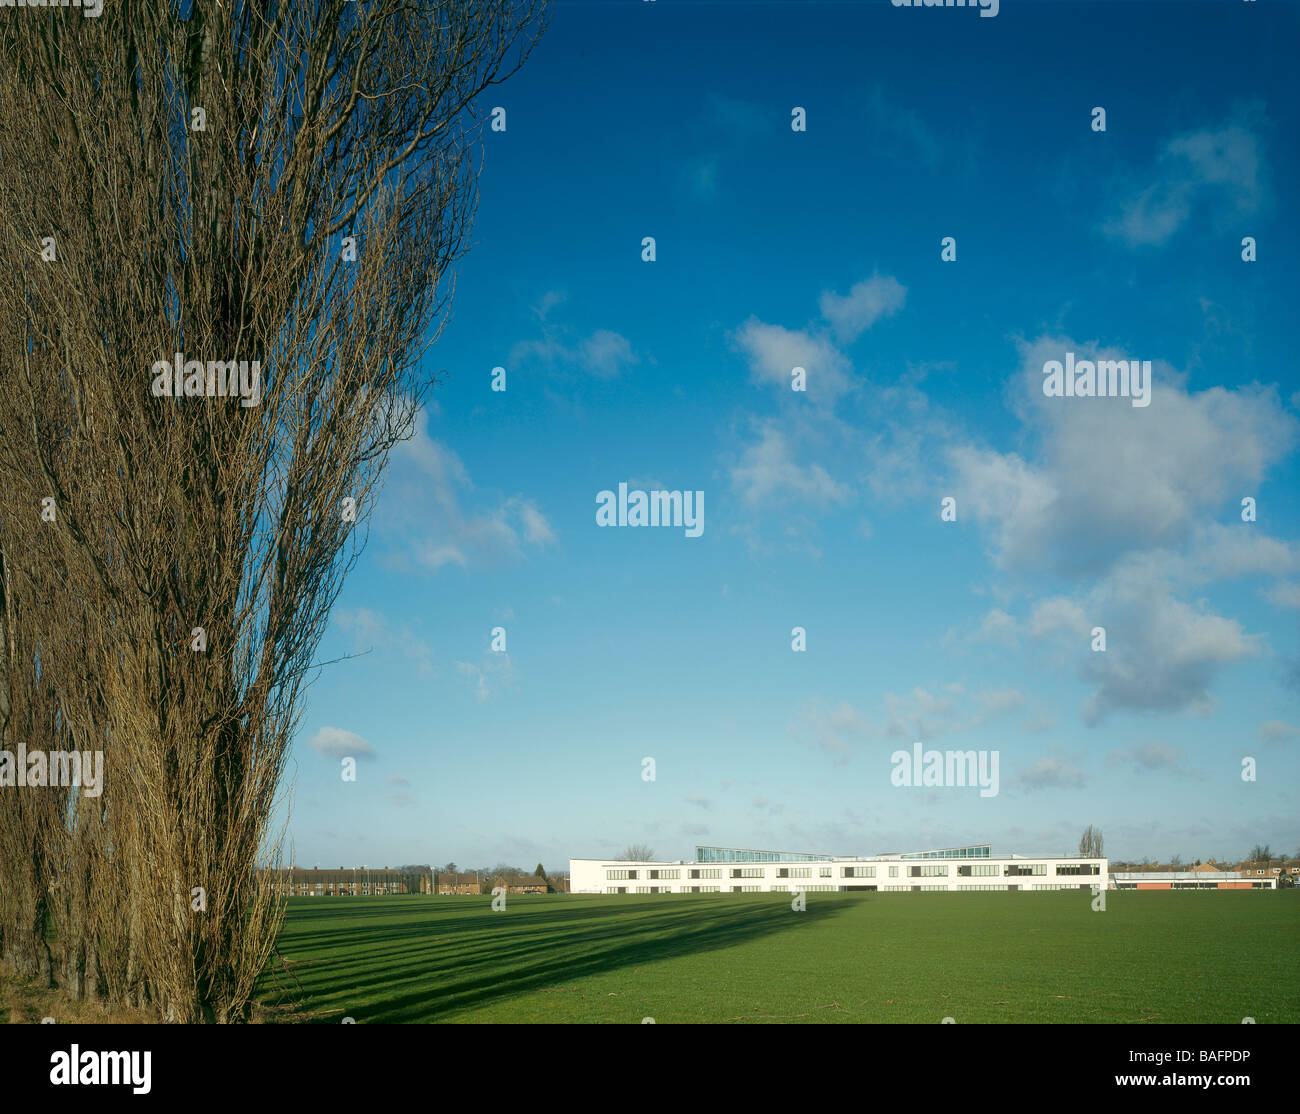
(929, 871)
(893, 872)
(664, 874)
(823, 872)
(801, 872)
(858, 872)
(1018, 870)
(747, 872)
(612, 875)
(783, 872)
(1078, 868)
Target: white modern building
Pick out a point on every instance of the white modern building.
(736, 870)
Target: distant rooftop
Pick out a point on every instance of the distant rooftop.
(970, 851)
(747, 855)
(742, 855)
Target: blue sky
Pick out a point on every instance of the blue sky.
(822, 249)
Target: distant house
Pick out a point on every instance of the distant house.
(358, 882)
(459, 884)
(1205, 868)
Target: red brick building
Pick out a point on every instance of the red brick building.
(357, 882)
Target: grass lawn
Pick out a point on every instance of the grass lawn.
(975, 957)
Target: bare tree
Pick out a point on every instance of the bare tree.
(278, 190)
(1091, 844)
(638, 852)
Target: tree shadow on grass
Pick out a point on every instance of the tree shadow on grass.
(467, 956)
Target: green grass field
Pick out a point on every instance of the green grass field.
(735, 958)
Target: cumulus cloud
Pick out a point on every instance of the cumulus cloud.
(1214, 169)
(835, 729)
(1148, 756)
(372, 631)
(1109, 477)
(767, 470)
(1284, 595)
(1052, 772)
(773, 351)
(852, 314)
(335, 742)
(602, 354)
(434, 508)
(487, 679)
(923, 714)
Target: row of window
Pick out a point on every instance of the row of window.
(883, 889)
(938, 870)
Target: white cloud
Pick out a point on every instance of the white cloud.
(998, 626)
(1284, 595)
(773, 352)
(1108, 477)
(605, 354)
(496, 673)
(1053, 772)
(372, 631)
(428, 505)
(768, 470)
(335, 742)
(866, 302)
(835, 729)
(1162, 653)
(1149, 755)
(1218, 170)
(922, 714)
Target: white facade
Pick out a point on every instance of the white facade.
(882, 873)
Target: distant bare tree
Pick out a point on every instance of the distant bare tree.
(1091, 844)
(638, 852)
